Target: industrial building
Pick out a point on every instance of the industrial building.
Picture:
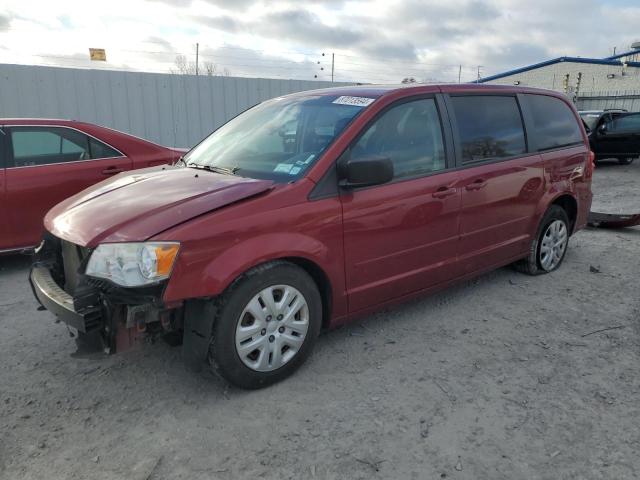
(577, 76)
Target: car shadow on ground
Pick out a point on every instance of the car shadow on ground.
(14, 263)
(162, 363)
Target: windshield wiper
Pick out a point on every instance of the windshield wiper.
(215, 168)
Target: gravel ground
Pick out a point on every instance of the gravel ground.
(498, 378)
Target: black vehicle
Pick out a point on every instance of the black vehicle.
(613, 133)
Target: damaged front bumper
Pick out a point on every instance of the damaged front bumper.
(52, 297)
(113, 318)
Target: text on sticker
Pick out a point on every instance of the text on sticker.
(355, 101)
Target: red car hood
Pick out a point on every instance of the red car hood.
(136, 206)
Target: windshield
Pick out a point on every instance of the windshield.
(591, 119)
(278, 139)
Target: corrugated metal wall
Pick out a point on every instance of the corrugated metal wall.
(629, 100)
(173, 110)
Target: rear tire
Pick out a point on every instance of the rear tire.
(266, 326)
(549, 246)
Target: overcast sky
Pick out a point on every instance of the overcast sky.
(374, 41)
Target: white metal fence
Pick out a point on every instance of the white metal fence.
(628, 99)
(173, 110)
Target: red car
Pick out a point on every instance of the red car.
(310, 209)
(42, 162)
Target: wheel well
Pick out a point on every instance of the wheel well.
(322, 281)
(569, 204)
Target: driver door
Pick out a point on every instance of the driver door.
(402, 236)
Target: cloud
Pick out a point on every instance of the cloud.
(225, 23)
(174, 3)
(516, 54)
(159, 41)
(243, 62)
(233, 5)
(5, 23)
(305, 27)
(389, 49)
(373, 39)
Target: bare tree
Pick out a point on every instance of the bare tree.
(210, 68)
(408, 80)
(183, 66)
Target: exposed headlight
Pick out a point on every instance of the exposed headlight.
(133, 264)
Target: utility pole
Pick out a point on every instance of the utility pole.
(459, 73)
(197, 52)
(479, 67)
(333, 60)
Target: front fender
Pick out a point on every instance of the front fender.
(197, 274)
(224, 269)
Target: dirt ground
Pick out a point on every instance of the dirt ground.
(498, 378)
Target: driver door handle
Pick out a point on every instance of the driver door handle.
(444, 192)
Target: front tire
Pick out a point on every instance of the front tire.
(549, 246)
(626, 161)
(267, 324)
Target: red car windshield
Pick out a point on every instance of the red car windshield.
(278, 139)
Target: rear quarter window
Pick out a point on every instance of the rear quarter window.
(554, 124)
(100, 150)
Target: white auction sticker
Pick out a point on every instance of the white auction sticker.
(283, 167)
(355, 101)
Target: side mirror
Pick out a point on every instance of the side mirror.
(365, 171)
(602, 129)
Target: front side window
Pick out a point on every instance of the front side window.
(279, 139)
(490, 127)
(625, 124)
(34, 146)
(410, 135)
(554, 124)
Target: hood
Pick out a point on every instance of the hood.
(136, 206)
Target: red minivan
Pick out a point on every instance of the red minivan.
(312, 208)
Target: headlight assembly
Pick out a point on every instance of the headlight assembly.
(133, 264)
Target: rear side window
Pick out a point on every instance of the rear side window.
(410, 135)
(34, 146)
(554, 124)
(625, 124)
(490, 127)
(100, 150)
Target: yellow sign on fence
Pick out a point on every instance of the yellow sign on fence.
(98, 54)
